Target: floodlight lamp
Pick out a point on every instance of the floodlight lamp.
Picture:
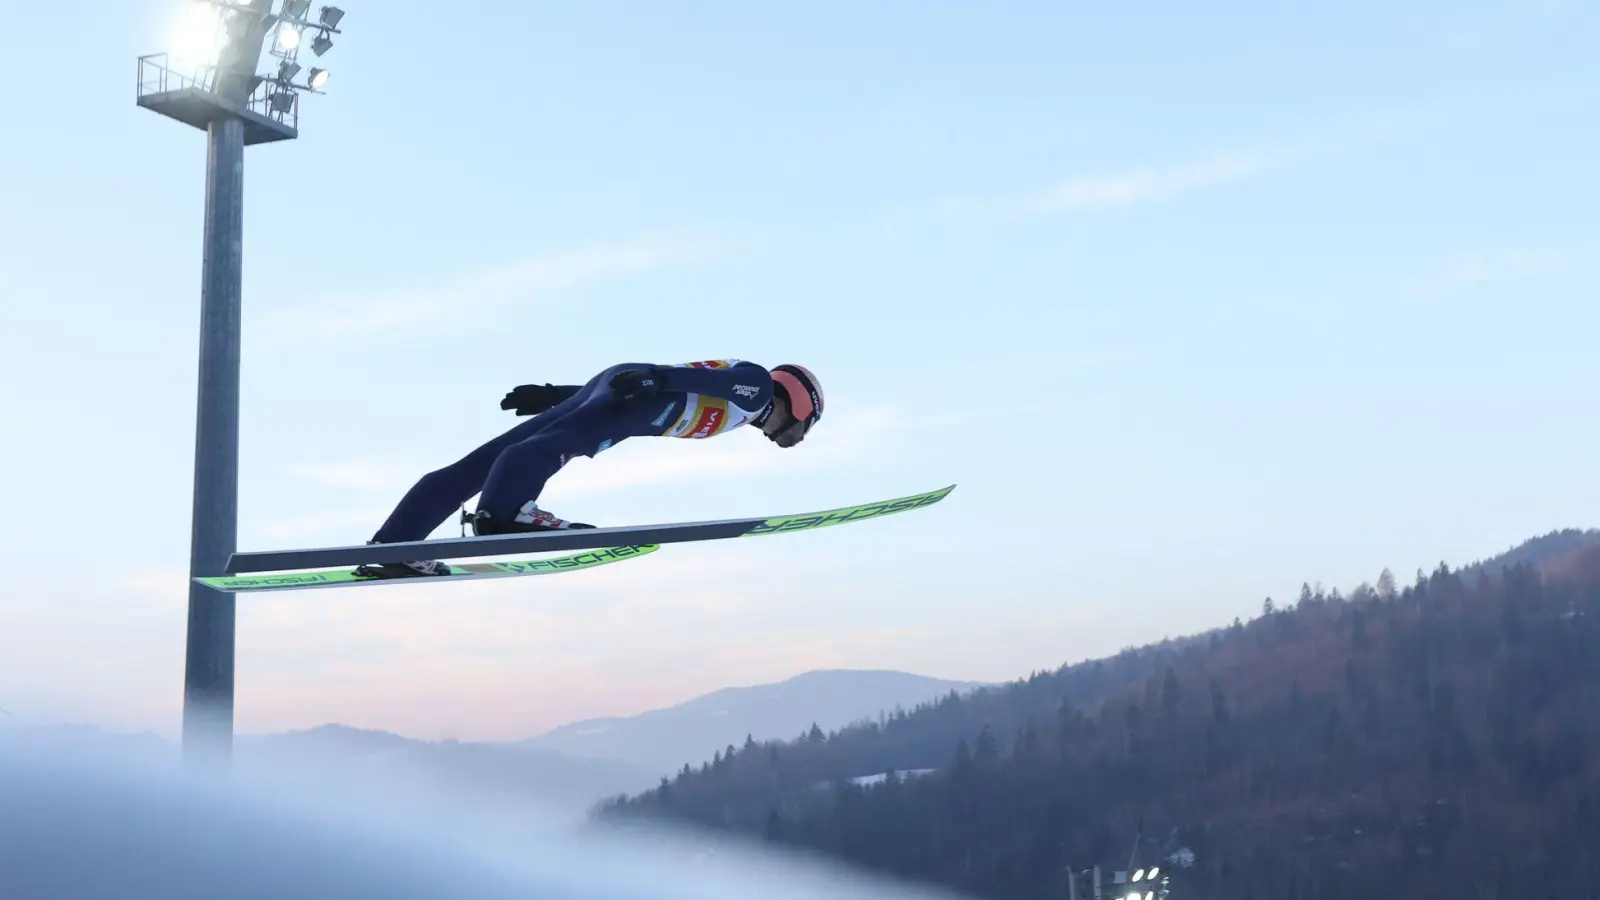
(1154, 871)
(331, 16)
(281, 101)
(1149, 895)
(288, 37)
(201, 36)
(288, 70)
(317, 79)
(321, 44)
(1138, 875)
(296, 9)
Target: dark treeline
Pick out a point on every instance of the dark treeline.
(1437, 739)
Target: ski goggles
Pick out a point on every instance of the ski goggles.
(790, 434)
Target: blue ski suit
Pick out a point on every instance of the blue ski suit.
(696, 400)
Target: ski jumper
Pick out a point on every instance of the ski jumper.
(696, 400)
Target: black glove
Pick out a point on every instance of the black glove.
(532, 399)
(632, 383)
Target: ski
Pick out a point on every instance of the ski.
(332, 578)
(572, 539)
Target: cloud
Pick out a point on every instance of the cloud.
(359, 475)
(1117, 189)
(306, 526)
(167, 587)
(1152, 184)
(1127, 187)
(1465, 271)
(1483, 26)
(1506, 265)
(467, 297)
(1145, 183)
(1007, 369)
(377, 483)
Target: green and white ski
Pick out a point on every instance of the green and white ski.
(330, 578)
(572, 539)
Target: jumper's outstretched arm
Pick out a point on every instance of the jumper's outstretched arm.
(745, 384)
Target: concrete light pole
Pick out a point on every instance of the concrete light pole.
(218, 91)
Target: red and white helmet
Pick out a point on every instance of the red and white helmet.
(802, 390)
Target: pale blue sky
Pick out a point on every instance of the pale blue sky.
(1194, 305)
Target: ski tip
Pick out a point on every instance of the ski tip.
(808, 521)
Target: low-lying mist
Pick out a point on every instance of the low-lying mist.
(80, 821)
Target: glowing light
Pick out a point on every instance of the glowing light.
(200, 38)
(317, 79)
(1138, 875)
(288, 37)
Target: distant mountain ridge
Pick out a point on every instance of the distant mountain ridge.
(693, 731)
(585, 762)
(569, 768)
(1553, 546)
(556, 781)
(332, 740)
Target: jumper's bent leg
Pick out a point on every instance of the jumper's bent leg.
(441, 492)
(519, 475)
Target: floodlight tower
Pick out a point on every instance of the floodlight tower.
(215, 87)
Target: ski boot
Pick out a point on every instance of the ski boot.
(529, 519)
(420, 568)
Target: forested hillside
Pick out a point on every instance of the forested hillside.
(1437, 739)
